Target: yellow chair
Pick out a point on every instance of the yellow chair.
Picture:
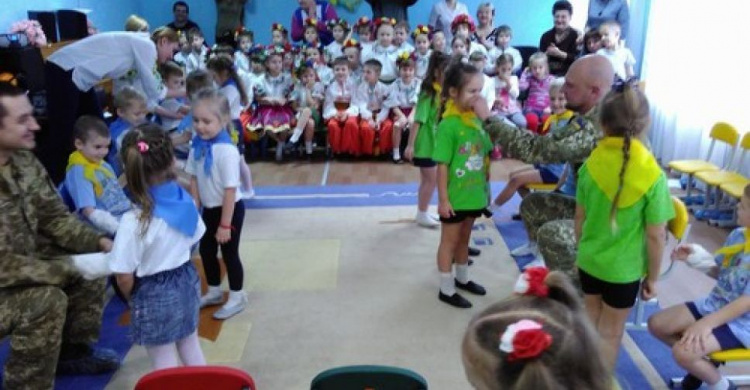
(541, 187)
(721, 132)
(714, 179)
(739, 355)
(734, 190)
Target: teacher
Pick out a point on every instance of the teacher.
(318, 9)
(559, 43)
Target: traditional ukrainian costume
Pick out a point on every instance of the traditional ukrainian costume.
(269, 117)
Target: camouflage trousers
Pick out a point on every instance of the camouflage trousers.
(549, 221)
(38, 320)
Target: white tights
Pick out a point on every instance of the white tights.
(165, 356)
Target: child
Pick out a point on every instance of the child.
(503, 35)
(363, 27)
(230, 85)
(438, 42)
(339, 29)
(214, 165)
(172, 110)
(279, 35)
(151, 253)
(313, 54)
(400, 35)
(479, 60)
(274, 114)
(541, 173)
(506, 92)
(131, 111)
(552, 319)
(622, 207)
(461, 151)
(245, 39)
(383, 50)
(719, 321)
(621, 57)
(311, 36)
(401, 101)
(181, 137)
(422, 138)
(375, 128)
(306, 99)
(421, 36)
(352, 52)
(536, 79)
(340, 114)
(197, 57)
(181, 57)
(463, 25)
(460, 46)
(592, 42)
(90, 182)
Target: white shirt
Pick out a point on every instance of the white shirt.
(442, 16)
(423, 62)
(225, 173)
(369, 99)
(113, 55)
(232, 94)
(268, 86)
(325, 74)
(332, 51)
(196, 61)
(476, 46)
(387, 57)
(405, 47)
(171, 105)
(402, 94)
(488, 90)
(621, 58)
(241, 61)
(339, 92)
(366, 49)
(162, 248)
(496, 52)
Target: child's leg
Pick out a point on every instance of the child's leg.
(449, 237)
(611, 326)
(304, 117)
(461, 254)
(334, 135)
(532, 121)
(690, 356)
(235, 272)
(190, 351)
(516, 182)
(162, 356)
(398, 128)
(209, 246)
(427, 184)
(668, 324)
(351, 135)
(309, 135)
(366, 137)
(386, 136)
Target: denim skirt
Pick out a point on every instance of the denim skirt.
(165, 306)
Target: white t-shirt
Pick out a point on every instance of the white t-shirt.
(162, 248)
(232, 94)
(225, 173)
(620, 59)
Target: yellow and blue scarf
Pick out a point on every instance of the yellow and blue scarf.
(468, 117)
(89, 170)
(731, 251)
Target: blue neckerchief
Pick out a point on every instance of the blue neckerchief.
(185, 123)
(204, 147)
(175, 206)
(230, 82)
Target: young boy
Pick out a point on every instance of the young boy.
(172, 110)
(621, 57)
(339, 112)
(402, 99)
(90, 183)
(352, 50)
(197, 57)
(502, 46)
(400, 38)
(479, 60)
(719, 321)
(181, 57)
(374, 126)
(131, 111)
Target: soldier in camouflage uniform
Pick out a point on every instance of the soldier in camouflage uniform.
(549, 216)
(46, 307)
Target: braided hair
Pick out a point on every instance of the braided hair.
(624, 113)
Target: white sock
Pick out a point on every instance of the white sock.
(396, 154)
(190, 351)
(462, 273)
(722, 384)
(162, 356)
(308, 147)
(214, 291)
(295, 135)
(446, 284)
(235, 297)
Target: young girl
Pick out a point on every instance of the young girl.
(324, 72)
(339, 29)
(421, 36)
(536, 79)
(506, 92)
(438, 42)
(719, 321)
(461, 151)
(592, 42)
(242, 55)
(402, 100)
(274, 114)
(363, 27)
(311, 36)
(460, 46)
(622, 206)
(383, 50)
(213, 163)
(546, 317)
(306, 99)
(279, 35)
(151, 253)
(463, 25)
(353, 53)
(422, 137)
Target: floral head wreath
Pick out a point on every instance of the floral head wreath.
(278, 27)
(337, 22)
(293, 48)
(421, 30)
(363, 21)
(303, 67)
(311, 22)
(405, 58)
(463, 19)
(275, 50)
(384, 21)
(257, 52)
(524, 340)
(531, 282)
(308, 45)
(351, 42)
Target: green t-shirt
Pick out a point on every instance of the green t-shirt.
(621, 256)
(425, 115)
(465, 150)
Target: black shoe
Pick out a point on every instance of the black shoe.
(470, 262)
(97, 361)
(690, 382)
(398, 162)
(516, 217)
(474, 252)
(455, 300)
(471, 287)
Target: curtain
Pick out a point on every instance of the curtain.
(696, 68)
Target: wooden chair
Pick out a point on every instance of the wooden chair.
(368, 378)
(197, 378)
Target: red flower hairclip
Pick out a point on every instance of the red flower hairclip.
(278, 27)
(524, 340)
(531, 282)
(383, 20)
(420, 30)
(352, 43)
(463, 19)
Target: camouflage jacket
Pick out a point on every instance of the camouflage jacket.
(31, 212)
(570, 144)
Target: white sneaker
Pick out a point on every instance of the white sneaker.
(211, 299)
(296, 134)
(424, 220)
(537, 262)
(530, 248)
(231, 308)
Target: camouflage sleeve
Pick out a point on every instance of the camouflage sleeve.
(20, 270)
(573, 143)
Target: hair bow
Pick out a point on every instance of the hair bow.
(351, 42)
(531, 282)
(620, 84)
(142, 146)
(463, 19)
(278, 27)
(421, 30)
(524, 340)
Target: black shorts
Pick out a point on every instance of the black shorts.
(423, 162)
(461, 215)
(723, 334)
(617, 295)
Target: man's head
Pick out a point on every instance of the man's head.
(17, 123)
(181, 11)
(587, 81)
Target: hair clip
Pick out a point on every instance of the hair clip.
(142, 146)
(311, 22)
(531, 282)
(278, 27)
(524, 340)
(463, 19)
(619, 84)
(421, 30)
(351, 42)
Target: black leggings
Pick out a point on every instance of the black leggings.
(229, 250)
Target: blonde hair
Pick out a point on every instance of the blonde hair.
(135, 23)
(218, 101)
(538, 57)
(126, 96)
(164, 32)
(556, 85)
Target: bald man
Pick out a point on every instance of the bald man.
(548, 217)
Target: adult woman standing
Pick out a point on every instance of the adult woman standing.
(485, 32)
(559, 43)
(72, 72)
(318, 9)
(442, 15)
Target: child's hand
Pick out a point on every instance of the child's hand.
(445, 209)
(694, 338)
(374, 125)
(409, 152)
(105, 244)
(184, 110)
(649, 289)
(223, 235)
(547, 111)
(682, 251)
